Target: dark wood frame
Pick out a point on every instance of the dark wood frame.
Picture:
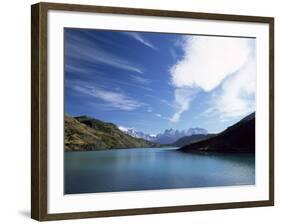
(39, 110)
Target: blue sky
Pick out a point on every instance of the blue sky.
(153, 81)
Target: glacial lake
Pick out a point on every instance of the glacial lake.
(153, 168)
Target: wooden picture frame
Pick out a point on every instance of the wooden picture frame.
(39, 110)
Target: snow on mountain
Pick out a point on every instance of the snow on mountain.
(137, 134)
(171, 135)
(167, 137)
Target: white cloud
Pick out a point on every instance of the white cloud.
(237, 96)
(139, 38)
(183, 97)
(208, 60)
(112, 98)
(211, 62)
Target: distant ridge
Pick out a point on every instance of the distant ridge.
(191, 139)
(167, 137)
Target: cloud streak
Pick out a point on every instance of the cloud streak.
(140, 79)
(80, 48)
(141, 39)
(114, 99)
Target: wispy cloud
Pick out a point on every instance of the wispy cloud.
(212, 62)
(140, 79)
(80, 48)
(158, 115)
(183, 98)
(149, 110)
(78, 69)
(166, 102)
(114, 99)
(161, 116)
(100, 38)
(102, 77)
(162, 101)
(141, 39)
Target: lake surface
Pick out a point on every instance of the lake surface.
(153, 168)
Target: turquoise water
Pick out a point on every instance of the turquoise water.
(153, 168)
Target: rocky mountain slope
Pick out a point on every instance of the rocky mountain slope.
(85, 133)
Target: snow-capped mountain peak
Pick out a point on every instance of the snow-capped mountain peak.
(167, 137)
(136, 134)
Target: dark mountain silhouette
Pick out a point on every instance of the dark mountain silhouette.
(239, 137)
(191, 139)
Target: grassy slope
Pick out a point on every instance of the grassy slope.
(84, 133)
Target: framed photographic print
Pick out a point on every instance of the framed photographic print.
(138, 111)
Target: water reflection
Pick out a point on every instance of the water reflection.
(154, 168)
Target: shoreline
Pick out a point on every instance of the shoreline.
(143, 148)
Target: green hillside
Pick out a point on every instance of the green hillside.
(84, 133)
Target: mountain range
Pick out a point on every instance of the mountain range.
(239, 137)
(168, 136)
(86, 133)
